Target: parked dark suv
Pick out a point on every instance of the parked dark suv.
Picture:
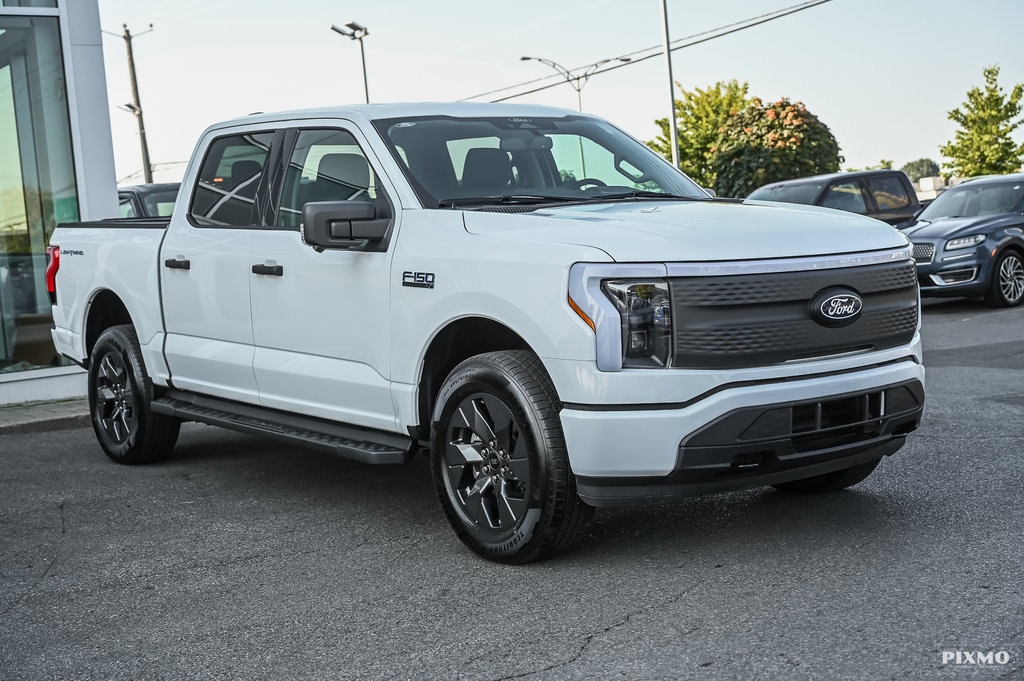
(883, 194)
(970, 241)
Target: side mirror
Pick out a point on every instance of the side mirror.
(710, 191)
(341, 224)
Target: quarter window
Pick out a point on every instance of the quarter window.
(888, 192)
(228, 179)
(326, 165)
(845, 196)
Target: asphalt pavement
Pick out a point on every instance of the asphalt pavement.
(240, 558)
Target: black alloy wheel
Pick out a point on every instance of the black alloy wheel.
(499, 459)
(117, 404)
(120, 392)
(487, 463)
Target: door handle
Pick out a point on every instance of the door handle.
(272, 270)
(178, 263)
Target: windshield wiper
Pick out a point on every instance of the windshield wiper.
(524, 199)
(639, 194)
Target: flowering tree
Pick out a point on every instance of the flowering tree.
(766, 143)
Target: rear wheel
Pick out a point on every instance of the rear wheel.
(831, 482)
(120, 392)
(499, 459)
(1007, 287)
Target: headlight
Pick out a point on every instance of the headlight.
(964, 242)
(646, 311)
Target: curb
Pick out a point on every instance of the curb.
(43, 417)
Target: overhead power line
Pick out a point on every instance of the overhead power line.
(678, 44)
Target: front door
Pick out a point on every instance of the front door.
(205, 271)
(320, 320)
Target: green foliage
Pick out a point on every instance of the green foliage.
(884, 164)
(700, 115)
(922, 167)
(767, 143)
(982, 144)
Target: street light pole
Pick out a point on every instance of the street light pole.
(673, 133)
(357, 32)
(136, 106)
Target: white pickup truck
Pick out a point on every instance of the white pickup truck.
(552, 311)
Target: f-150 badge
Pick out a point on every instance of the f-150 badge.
(418, 279)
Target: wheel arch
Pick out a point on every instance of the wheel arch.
(105, 309)
(458, 340)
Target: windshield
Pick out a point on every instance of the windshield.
(974, 200)
(805, 192)
(464, 161)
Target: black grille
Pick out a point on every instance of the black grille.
(924, 252)
(752, 320)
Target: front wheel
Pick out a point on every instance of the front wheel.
(499, 459)
(1007, 286)
(120, 392)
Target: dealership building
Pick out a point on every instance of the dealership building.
(56, 165)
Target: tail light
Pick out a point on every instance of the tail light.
(52, 265)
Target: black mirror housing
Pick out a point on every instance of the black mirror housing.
(341, 224)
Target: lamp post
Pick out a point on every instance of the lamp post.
(357, 32)
(135, 108)
(578, 79)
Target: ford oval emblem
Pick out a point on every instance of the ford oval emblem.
(836, 307)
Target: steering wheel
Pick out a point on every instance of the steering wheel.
(579, 184)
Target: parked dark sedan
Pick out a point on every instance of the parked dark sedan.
(970, 241)
(886, 195)
(147, 200)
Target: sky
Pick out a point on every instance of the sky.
(882, 74)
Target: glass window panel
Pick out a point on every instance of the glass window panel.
(228, 179)
(28, 3)
(326, 165)
(889, 193)
(37, 181)
(845, 196)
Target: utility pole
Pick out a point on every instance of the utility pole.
(135, 107)
(674, 134)
(147, 168)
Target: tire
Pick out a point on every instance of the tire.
(1007, 286)
(831, 482)
(499, 459)
(120, 392)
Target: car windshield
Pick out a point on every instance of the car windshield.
(805, 192)
(974, 200)
(468, 162)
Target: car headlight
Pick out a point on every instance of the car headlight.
(646, 311)
(964, 242)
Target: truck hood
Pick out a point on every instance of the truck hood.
(678, 231)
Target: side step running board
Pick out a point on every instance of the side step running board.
(350, 442)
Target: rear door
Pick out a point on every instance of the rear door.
(205, 271)
(321, 322)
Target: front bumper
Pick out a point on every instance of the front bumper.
(963, 272)
(741, 435)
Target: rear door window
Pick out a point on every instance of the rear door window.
(225, 194)
(845, 196)
(888, 193)
(124, 202)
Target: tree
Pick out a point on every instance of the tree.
(772, 142)
(922, 167)
(700, 115)
(982, 145)
(884, 164)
